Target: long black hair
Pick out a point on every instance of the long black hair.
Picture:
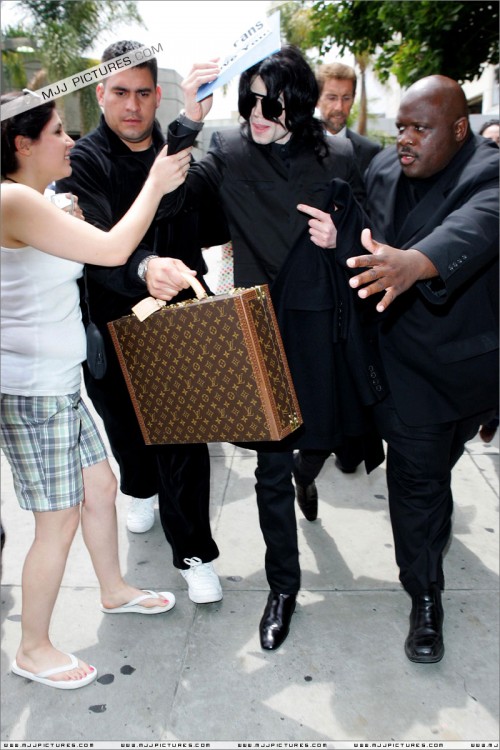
(29, 123)
(288, 73)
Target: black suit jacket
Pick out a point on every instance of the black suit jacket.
(259, 192)
(439, 340)
(259, 188)
(364, 149)
(335, 341)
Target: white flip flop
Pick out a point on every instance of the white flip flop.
(60, 684)
(135, 606)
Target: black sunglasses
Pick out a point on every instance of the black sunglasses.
(271, 108)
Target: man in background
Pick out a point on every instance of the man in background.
(337, 89)
(491, 129)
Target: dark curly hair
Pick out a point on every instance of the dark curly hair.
(288, 73)
(29, 123)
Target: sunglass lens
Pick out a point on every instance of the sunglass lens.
(271, 108)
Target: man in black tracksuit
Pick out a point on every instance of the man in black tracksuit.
(110, 166)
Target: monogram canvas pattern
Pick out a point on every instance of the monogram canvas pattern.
(211, 370)
(225, 280)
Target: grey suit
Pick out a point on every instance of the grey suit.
(364, 149)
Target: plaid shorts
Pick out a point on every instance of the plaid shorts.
(48, 440)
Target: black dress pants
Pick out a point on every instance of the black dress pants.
(419, 464)
(308, 463)
(180, 474)
(276, 504)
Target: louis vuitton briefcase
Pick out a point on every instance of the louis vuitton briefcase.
(211, 369)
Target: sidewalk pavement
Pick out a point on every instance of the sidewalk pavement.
(197, 673)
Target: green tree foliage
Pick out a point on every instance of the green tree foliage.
(74, 26)
(14, 72)
(295, 23)
(412, 38)
(297, 28)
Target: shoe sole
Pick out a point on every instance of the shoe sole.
(425, 659)
(58, 684)
(136, 530)
(142, 610)
(204, 600)
(309, 518)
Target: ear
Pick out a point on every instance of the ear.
(22, 144)
(158, 96)
(461, 128)
(99, 92)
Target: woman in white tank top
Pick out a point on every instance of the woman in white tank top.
(57, 457)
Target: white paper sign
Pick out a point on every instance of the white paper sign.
(257, 42)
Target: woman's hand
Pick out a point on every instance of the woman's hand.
(169, 172)
(77, 211)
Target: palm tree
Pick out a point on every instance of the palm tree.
(17, 49)
(62, 31)
(297, 28)
(362, 61)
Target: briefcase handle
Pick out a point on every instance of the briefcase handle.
(148, 306)
(195, 285)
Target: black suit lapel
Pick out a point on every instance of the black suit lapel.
(425, 210)
(421, 214)
(387, 204)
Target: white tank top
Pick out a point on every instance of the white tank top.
(42, 335)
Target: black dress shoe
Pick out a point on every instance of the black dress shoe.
(424, 643)
(275, 623)
(343, 468)
(487, 433)
(307, 498)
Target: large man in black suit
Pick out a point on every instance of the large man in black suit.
(337, 89)
(433, 204)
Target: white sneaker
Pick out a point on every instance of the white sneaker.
(202, 580)
(141, 514)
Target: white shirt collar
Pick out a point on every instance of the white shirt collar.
(342, 133)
